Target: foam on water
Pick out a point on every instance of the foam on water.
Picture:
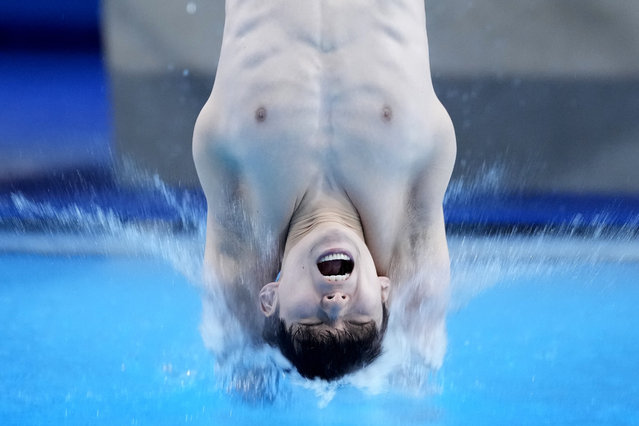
(258, 373)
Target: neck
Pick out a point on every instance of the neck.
(322, 209)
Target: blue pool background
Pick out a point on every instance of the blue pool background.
(550, 335)
(115, 340)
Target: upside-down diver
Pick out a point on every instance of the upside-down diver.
(324, 155)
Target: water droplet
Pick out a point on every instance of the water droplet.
(191, 8)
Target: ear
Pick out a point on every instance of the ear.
(385, 284)
(268, 298)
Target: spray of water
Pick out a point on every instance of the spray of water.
(258, 373)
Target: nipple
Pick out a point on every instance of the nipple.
(260, 114)
(387, 113)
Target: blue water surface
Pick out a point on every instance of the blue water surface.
(115, 340)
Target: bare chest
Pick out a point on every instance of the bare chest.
(325, 82)
(325, 91)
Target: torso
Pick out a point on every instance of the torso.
(325, 95)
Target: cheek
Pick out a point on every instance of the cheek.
(297, 305)
(371, 302)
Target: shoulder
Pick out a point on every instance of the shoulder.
(434, 171)
(210, 153)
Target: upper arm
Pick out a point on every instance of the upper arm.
(423, 295)
(234, 251)
(219, 178)
(434, 175)
(429, 187)
(215, 168)
(425, 249)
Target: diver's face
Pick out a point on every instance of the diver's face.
(328, 278)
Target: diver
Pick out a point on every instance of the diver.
(324, 155)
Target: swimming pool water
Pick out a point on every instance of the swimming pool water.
(115, 340)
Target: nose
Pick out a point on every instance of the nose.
(334, 303)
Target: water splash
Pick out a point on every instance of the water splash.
(258, 373)
(191, 8)
(498, 256)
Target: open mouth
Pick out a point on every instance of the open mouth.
(336, 266)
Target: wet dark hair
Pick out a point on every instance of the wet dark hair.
(321, 351)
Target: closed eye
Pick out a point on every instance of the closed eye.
(355, 323)
(311, 323)
(360, 323)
